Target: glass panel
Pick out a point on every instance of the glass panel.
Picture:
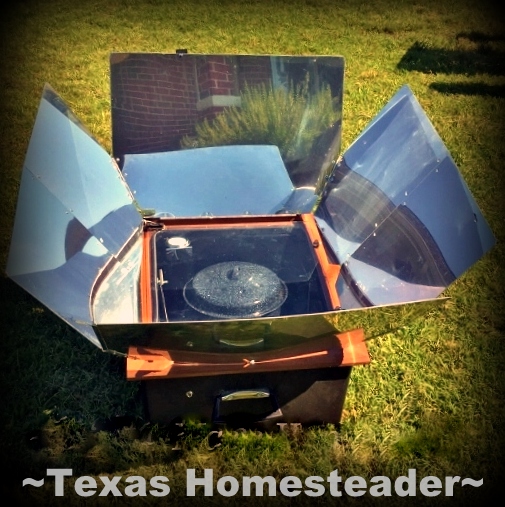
(167, 103)
(236, 272)
(397, 213)
(117, 294)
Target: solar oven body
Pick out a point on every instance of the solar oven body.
(243, 271)
(227, 249)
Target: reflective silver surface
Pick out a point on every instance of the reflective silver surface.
(74, 215)
(397, 213)
(217, 181)
(169, 111)
(265, 333)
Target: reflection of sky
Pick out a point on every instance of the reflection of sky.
(224, 180)
(74, 168)
(38, 241)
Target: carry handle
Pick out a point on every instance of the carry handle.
(246, 407)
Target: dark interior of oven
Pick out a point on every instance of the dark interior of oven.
(281, 253)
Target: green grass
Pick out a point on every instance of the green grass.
(432, 397)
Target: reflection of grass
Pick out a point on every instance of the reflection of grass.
(432, 397)
(288, 119)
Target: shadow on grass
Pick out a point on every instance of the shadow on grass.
(482, 60)
(480, 37)
(469, 89)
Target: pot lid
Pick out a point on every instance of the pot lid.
(235, 290)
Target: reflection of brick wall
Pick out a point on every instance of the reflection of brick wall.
(153, 102)
(217, 85)
(254, 71)
(157, 99)
(216, 76)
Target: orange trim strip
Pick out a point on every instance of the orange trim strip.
(216, 222)
(146, 305)
(330, 271)
(335, 350)
(354, 347)
(210, 224)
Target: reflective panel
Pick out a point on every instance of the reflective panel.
(220, 181)
(213, 136)
(80, 173)
(53, 256)
(264, 333)
(168, 103)
(74, 215)
(397, 213)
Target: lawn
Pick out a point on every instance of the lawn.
(432, 397)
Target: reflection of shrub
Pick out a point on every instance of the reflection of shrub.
(291, 120)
